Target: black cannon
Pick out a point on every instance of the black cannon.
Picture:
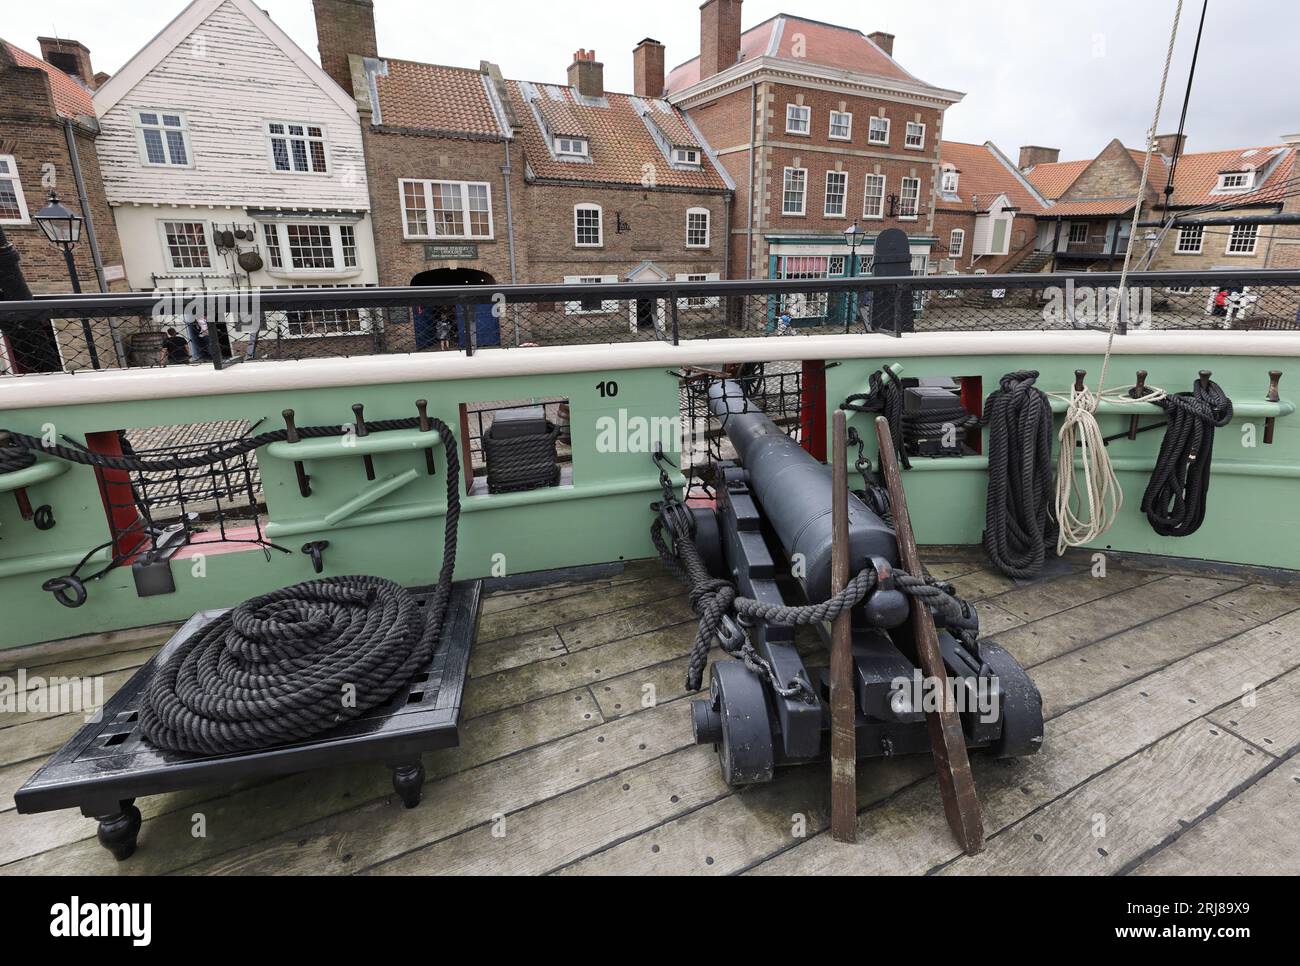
(770, 534)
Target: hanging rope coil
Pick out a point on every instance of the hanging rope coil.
(1018, 521)
(1082, 519)
(299, 661)
(1175, 497)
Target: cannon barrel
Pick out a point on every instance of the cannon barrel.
(795, 492)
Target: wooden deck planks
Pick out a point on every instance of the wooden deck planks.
(533, 751)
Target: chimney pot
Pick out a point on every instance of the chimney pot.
(1169, 144)
(586, 74)
(1032, 154)
(648, 68)
(719, 36)
(344, 27)
(69, 56)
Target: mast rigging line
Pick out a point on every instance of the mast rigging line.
(1083, 519)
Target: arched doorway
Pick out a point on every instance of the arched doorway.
(444, 326)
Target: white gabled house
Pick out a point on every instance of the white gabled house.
(231, 159)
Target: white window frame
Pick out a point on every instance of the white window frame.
(698, 301)
(285, 250)
(24, 218)
(843, 177)
(172, 267)
(902, 192)
(907, 136)
(871, 130)
(607, 306)
(830, 129)
(803, 195)
(798, 109)
(1247, 182)
(1186, 231)
(426, 193)
(956, 242)
(306, 138)
(949, 187)
(1232, 240)
(1071, 240)
(879, 213)
(572, 147)
(695, 212)
(276, 325)
(688, 156)
(141, 127)
(600, 225)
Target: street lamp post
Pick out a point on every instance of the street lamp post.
(62, 227)
(852, 235)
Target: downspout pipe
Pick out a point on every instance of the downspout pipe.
(70, 135)
(506, 170)
(753, 123)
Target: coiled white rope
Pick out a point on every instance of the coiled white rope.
(1084, 520)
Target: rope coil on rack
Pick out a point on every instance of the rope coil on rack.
(298, 661)
(884, 395)
(1018, 521)
(1175, 497)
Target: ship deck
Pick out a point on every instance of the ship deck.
(1172, 692)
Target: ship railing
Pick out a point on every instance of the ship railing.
(71, 334)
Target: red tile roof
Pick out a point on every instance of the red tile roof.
(430, 97)
(620, 144)
(1198, 174)
(71, 99)
(982, 176)
(807, 41)
(1054, 179)
(1094, 206)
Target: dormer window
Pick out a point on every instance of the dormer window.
(689, 156)
(572, 147)
(950, 176)
(1235, 180)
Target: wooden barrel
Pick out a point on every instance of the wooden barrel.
(145, 349)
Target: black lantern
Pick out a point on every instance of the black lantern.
(853, 235)
(61, 225)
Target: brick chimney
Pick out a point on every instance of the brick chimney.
(68, 56)
(882, 40)
(587, 74)
(1031, 155)
(648, 69)
(344, 27)
(719, 36)
(1167, 144)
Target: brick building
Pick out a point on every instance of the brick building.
(48, 132)
(48, 138)
(1088, 223)
(818, 126)
(986, 212)
(478, 179)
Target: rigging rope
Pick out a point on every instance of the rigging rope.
(1018, 523)
(1175, 497)
(298, 661)
(884, 395)
(1103, 497)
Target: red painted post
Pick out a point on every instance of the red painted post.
(812, 408)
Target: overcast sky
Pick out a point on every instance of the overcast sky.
(1067, 75)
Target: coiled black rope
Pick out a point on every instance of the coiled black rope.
(937, 422)
(526, 462)
(298, 661)
(1018, 523)
(1175, 497)
(884, 396)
